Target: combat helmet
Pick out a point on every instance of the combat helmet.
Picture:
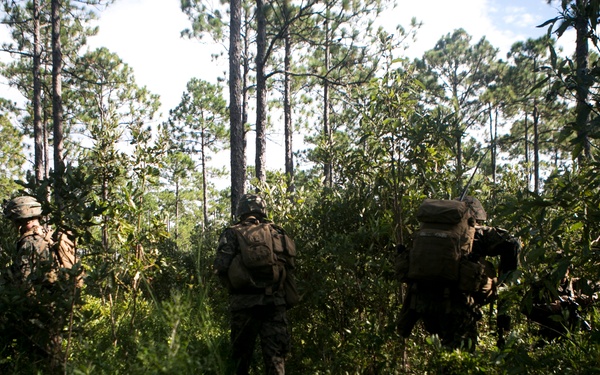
(476, 208)
(24, 207)
(251, 204)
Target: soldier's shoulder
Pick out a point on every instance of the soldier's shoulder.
(37, 233)
(228, 235)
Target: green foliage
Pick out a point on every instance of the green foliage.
(179, 335)
(151, 303)
(10, 156)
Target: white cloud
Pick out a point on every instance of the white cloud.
(146, 35)
(440, 18)
(502, 22)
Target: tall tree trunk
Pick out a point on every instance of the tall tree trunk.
(45, 137)
(38, 130)
(238, 161)
(204, 195)
(177, 199)
(261, 92)
(105, 244)
(527, 162)
(397, 202)
(287, 106)
(536, 148)
(327, 167)
(246, 73)
(57, 111)
(582, 109)
(459, 164)
(459, 133)
(493, 134)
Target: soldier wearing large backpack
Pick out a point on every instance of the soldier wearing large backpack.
(40, 252)
(36, 278)
(255, 261)
(447, 275)
(32, 261)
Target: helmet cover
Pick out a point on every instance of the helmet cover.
(24, 207)
(251, 203)
(476, 208)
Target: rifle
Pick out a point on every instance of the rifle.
(464, 193)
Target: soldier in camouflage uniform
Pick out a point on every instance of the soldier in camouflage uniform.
(33, 272)
(557, 310)
(451, 313)
(255, 311)
(32, 263)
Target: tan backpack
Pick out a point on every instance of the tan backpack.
(65, 252)
(62, 249)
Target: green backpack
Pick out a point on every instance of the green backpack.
(267, 255)
(443, 241)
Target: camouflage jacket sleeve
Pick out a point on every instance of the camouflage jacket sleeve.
(491, 241)
(226, 251)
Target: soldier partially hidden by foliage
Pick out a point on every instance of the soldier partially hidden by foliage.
(448, 278)
(255, 261)
(37, 291)
(556, 310)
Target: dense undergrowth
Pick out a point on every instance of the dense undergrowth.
(165, 313)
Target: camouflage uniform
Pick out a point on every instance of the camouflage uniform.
(33, 263)
(34, 274)
(557, 312)
(449, 312)
(490, 241)
(254, 312)
(446, 312)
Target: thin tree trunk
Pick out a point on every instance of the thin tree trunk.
(203, 166)
(527, 162)
(495, 155)
(536, 149)
(246, 72)
(459, 168)
(328, 167)
(287, 110)
(261, 92)
(238, 162)
(105, 244)
(57, 110)
(582, 109)
(492, 146)
(177, 209)
(38, 131)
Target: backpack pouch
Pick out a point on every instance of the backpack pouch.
(238, 274)
(435, 256)
(256, 246)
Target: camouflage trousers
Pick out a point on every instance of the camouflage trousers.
(449, 315)
(268, 322)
